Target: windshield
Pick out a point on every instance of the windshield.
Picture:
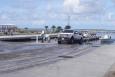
(68, 31)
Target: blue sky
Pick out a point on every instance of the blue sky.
(94, 14)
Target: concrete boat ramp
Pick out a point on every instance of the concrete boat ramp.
(95, 63)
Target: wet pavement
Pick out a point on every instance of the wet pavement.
(18, 56)
(88, 60)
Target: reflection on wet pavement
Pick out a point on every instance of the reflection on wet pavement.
(15, 56)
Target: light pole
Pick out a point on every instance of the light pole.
(68, 20)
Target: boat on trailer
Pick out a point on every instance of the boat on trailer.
(106, 38)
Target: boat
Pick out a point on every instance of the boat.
(106, 38)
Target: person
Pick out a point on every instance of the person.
(47, 38)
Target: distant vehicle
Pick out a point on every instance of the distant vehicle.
(70, 36)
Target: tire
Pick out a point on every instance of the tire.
(71, 41)
(81, 41)
(59, 42)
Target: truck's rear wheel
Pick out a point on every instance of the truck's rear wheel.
(81, 41)
(59, 42)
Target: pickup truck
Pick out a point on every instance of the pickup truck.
(70, 36)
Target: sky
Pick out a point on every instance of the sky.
(84, 14)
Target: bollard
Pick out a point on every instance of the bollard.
(37, 39)
(49, 39)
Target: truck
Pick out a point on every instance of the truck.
(70, 36)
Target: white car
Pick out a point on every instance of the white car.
(70, 36)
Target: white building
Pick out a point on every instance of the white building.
(7, 28)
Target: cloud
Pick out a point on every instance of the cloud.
(25, 4)
(30, 11)
(113, 1)
(21, 12)
(53, 11)
(84, 6)
(71, 5)
(85, 9)
(38, 22)
(20, 17)
(110, 16)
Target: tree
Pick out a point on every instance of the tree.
(58, 29)
(67, 27)
(26, 28)
(53, 28)
(46, 27)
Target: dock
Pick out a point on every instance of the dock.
(25, 37)
(19, 37)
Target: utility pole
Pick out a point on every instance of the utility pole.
(68, 20)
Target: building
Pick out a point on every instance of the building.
(7, 29)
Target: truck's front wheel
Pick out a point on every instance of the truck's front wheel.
(71, 41)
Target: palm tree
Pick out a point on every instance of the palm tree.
(53, 28)
(26, 28)
(67, 27)
(58, 29)
(46, 27)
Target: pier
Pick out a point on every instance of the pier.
(19, 37)
(24, 37)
